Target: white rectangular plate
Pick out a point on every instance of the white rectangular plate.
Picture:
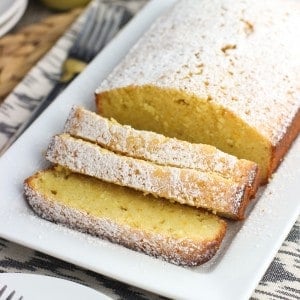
(245, 254)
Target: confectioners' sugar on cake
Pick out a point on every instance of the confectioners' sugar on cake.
(187, 186)
(158, 148)
(178, 234)
(224, 73)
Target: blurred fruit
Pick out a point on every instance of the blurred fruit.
(64, 4)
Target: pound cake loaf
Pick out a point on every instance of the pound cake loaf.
(157, 148)
(207, 190)
(224, 73)
(178, 234)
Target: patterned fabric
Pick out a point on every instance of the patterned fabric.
(281, 281)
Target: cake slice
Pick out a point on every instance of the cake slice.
(223, 73)
(159, 149)
(208, 190)
(179, 234)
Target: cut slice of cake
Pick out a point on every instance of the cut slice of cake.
(224, 73)
(159, 149)
(187, 186)
(176, 233)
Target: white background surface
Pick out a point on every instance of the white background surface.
(245, 254)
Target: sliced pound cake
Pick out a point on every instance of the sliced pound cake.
(207, 190)
(159, 149)
(224, 73)
(176, 233)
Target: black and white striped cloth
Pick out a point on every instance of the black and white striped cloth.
(282, 279)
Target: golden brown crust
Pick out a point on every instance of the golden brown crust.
(284, 144)
(249, 193)
(255, 183)
(98, 100)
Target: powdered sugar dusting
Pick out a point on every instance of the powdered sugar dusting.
(188, 186)
(244, 57)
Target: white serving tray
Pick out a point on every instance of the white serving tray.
(245, 254)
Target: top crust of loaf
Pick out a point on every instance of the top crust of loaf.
(245, 58)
